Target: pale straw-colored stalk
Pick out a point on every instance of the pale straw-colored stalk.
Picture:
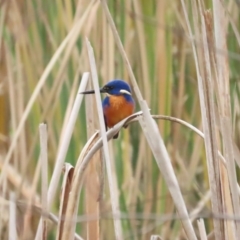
(65, 193)
(12, 234)
(220, 33)
(92, 183)
(44, 174)
(202, 230)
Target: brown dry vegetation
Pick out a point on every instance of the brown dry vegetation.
(177, 179)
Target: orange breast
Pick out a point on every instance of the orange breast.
(117, 110)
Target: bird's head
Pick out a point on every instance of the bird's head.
(114, 87)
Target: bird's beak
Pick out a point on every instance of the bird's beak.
(88, 92)
(102, 90)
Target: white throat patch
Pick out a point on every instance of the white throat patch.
(125, 91)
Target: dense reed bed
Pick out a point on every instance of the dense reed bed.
(173, 173)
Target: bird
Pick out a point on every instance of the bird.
(118, 104)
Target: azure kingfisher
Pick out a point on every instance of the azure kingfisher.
(118, 104)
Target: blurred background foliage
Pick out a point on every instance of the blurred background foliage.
(156, 41)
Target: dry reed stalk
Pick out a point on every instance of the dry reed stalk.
(111, 179)
(66, 190)
(155, 237)
(44, 175)
(92, 184)
(210, 98)
(12, 229)
(224, 107)
(202, 230)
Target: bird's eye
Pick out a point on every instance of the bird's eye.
(107, 88)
